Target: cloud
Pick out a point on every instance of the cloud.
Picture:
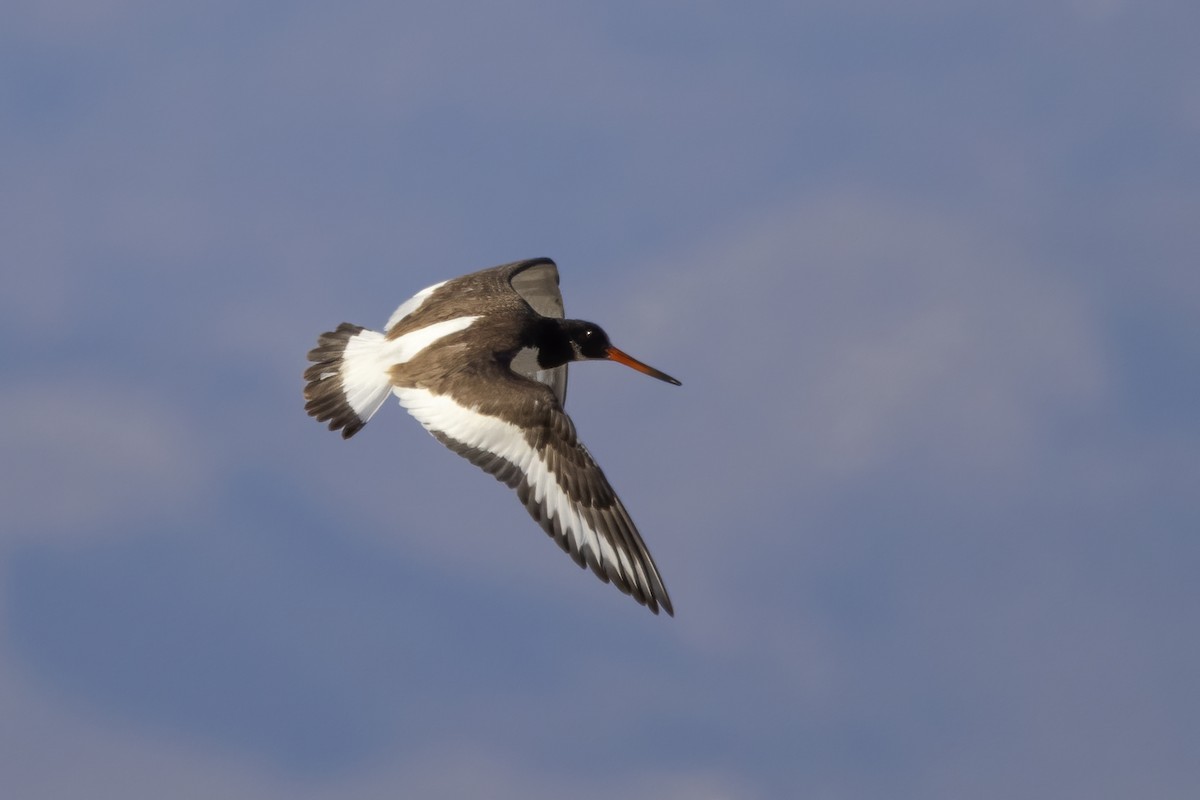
(857, 330)
(81, 456)
(57, 752)
(854, 349)
(923, 502)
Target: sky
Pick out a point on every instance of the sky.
(926, 502)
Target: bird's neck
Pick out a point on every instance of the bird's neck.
(552, 344)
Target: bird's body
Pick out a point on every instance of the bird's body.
(481, 362)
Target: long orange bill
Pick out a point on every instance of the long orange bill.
(623, 358)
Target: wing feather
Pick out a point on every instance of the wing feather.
(556, 479)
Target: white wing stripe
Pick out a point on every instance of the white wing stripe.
(412, 304)
(407, 347)
(442, 414)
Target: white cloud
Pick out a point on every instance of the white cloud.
(829, 349)
(57, 751)
(833, 345)
(81, 456)
(849, 332)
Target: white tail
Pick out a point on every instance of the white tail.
(349, 378)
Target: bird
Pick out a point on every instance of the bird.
(481, 362)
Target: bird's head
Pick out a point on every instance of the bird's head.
(587, 341)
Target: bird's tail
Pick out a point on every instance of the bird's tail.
(348, 379)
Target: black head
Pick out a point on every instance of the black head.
(585, 341)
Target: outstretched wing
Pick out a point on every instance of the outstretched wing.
(536, 281)
(557, 480)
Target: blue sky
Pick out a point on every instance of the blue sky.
(926, 502)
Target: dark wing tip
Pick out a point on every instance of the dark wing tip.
(568, 473)
(665, 602)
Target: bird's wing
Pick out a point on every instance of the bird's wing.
(536, 281)
(557, 480)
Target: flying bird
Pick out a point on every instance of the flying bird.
(481, 362)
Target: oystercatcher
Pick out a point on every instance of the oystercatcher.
(481, 362)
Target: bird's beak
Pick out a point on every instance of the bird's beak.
(613, 354)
